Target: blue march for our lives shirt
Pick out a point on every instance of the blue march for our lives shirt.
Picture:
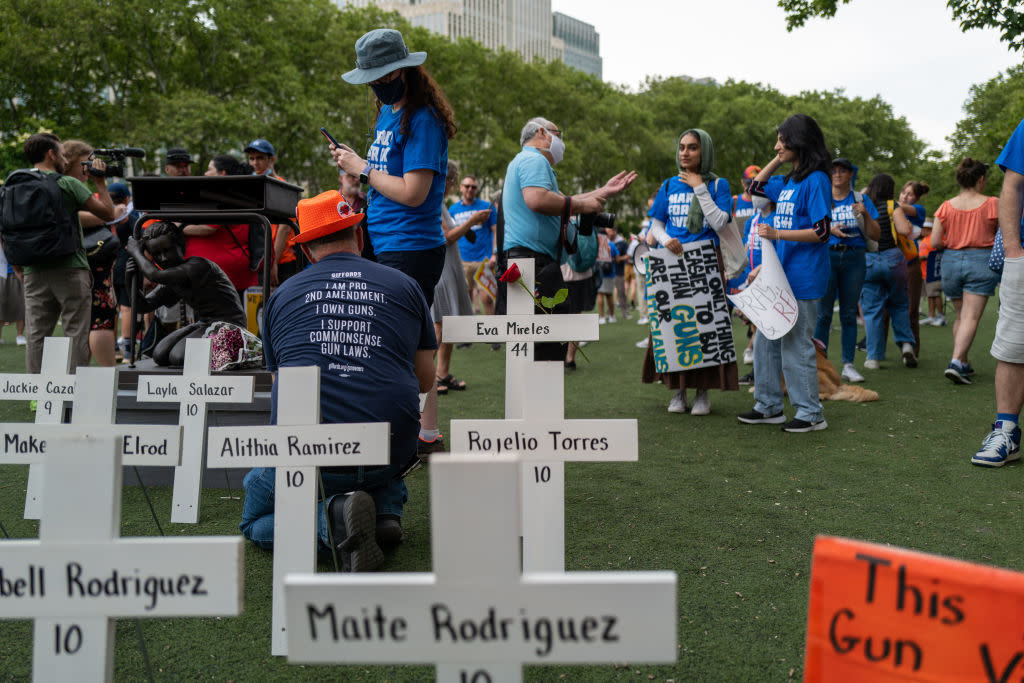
(845, 219)
(361, 323)
(481, 249)
(799, 204)
(672, 207)
(523, 227)
(394, 226)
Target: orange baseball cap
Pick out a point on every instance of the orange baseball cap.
(751, 171)
(326, 213)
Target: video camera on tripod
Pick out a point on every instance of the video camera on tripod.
(114, 157)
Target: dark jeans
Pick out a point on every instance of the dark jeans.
(846, 279)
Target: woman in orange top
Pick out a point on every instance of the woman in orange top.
(966, 226)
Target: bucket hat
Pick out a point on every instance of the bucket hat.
(319, 216)
(380, 52)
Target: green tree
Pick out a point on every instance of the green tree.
(1002, 15)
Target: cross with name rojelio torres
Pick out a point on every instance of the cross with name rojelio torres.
(535, 428)
(79, 576)
(477, 616)
(194, 389)
(296, 446)
(49, 389)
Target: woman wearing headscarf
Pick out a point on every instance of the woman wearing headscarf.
(690, 207)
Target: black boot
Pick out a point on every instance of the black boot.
(353, 520)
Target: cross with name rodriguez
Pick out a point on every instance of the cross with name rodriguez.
(49, 389)
(193, 390)
(477, 616)
(296, 446)
(80, 575)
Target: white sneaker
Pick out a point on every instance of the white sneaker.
(582, 344)
(611, 318)
(927, 321)
(20, 340)
(871, 364)
(909, 357)
(678, 403)
(748, 356)
(938, 321)
(850, 373)
(701, 403)
(642, 344)
(642, 320)
(601, 321)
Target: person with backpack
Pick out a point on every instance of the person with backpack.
(853, 219)
(42, 237)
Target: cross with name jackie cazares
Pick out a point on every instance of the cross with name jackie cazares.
(534, 424)
(80, 575)
(49, 389)
(477, 616)
(194, 389)
(296, 446)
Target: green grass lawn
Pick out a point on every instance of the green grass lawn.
(732, 509)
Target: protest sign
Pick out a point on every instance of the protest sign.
(687, 309)
(768, 301)
(484, 277)
(879, 613)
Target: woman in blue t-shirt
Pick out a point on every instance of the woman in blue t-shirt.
(691, 207)
(799, 232)
(405, 170)
(852, 218)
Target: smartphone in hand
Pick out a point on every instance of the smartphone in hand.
(329, 137)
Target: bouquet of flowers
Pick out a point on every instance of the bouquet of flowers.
(233, 347)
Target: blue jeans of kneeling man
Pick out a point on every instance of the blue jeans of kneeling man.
(792, 356)
(885, 289)
(388, 493)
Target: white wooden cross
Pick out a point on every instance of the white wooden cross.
(534, 425)
(49, 389)
(296, 446)
(193, 390)
(477, 616)
(79, 576)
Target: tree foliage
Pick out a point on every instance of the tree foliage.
(1002, 15)
(210, 75)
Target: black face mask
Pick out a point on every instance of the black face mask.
(390, 92)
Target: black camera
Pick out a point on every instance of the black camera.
(589, 221)
(114, 157)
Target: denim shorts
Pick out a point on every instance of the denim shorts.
(967, 271)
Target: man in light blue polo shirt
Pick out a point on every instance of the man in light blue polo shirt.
(533, 209)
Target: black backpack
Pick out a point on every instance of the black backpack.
(35, 224)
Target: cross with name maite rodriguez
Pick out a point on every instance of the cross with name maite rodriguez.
(296, 446)
(477, 616)
(194, 389)
(534, 426)
(79, 575)
(49, 389)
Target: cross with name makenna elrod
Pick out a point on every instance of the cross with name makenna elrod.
(477, 616)
(49, 389)
(193, 390)
(79, 576)
(535, 429)
(296, 446)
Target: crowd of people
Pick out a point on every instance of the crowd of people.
(397, 258)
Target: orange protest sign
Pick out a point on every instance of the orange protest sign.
(882, 614)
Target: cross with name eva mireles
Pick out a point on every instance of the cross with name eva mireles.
(194, 389)
(296, 446)
(80, 575)
(534, 424)
(477, 616)
(49, 389)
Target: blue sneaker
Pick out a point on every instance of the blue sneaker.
(957, 373)
(999, 447)
(968, 370)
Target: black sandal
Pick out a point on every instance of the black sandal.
(450, 382)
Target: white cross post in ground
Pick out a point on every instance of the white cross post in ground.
(79, 576)
(49, 389)
(534, 424)
(194, 389)
(477, 616)
(296, 446)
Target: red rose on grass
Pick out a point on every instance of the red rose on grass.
(512, 274)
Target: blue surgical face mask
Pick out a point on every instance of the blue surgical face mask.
(390, 92)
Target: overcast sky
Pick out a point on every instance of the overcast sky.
(910, 52)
